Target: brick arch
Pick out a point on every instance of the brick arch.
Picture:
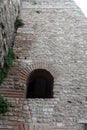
(25, 72)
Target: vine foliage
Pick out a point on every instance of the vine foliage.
(4, 105)
(8, 60)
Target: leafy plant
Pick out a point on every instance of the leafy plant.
(4, 104)
(18, 23)
(8, 60)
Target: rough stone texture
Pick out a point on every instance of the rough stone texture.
(8, 13)
(39, 113)
(53, 39)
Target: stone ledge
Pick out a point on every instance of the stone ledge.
(82, 121)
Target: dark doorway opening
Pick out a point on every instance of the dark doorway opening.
(40, 84)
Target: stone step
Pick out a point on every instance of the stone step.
(12, 93)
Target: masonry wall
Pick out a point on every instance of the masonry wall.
(9, 10)
(55, 39)
(59, 44)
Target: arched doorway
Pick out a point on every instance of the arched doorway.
(40, 84)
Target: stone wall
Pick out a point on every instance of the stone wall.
(9, 10)
(54, 39)
(55, 36)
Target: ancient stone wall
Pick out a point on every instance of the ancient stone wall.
(54, 39)
(9, 10)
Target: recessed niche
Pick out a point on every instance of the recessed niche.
(40, 84)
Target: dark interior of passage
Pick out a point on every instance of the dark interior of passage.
(40, 84)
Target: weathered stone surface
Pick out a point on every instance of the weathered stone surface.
(53, 39)
(8, 12)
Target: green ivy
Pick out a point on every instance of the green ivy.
(18, 23)
(8, 60)
(4, 104)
